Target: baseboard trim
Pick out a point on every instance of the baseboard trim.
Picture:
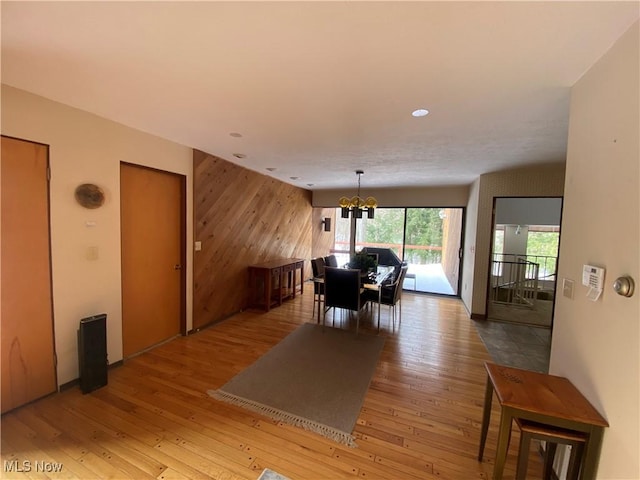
(212, 323)
(68, 385)
(478, 316)
(76, 381)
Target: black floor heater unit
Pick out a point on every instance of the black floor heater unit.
(92, 352)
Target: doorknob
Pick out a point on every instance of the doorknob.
(177, 266)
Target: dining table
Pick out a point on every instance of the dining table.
(546, 399)
(375, 282)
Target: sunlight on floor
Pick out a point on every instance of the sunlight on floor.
(428, 278)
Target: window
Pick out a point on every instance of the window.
(428, 239)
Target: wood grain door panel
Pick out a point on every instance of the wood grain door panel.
(152, 275)
(28, 364)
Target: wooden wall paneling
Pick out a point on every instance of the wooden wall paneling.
(451, 242)
(241, 218)
(322, 241)
(216, 208)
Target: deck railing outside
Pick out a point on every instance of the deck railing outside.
(433, 253)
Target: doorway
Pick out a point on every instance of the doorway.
(153, 207)
(524, 258)
(432, 250)
(28, 355)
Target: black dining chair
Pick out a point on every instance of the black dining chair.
(342, 289)
(391, 295)
(331, 261)
(317, 265)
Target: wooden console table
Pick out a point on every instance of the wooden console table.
(545, 399)
(274, 281)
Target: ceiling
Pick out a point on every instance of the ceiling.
(319, 89)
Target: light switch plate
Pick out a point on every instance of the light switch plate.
(198, 246)
(92, 253)
(567, 288)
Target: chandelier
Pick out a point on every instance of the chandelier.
(357, 204)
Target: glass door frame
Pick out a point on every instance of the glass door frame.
(353, 228)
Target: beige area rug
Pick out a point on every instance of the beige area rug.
(268, 474)
(316, 378)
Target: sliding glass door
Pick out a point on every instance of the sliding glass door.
(383, 231)
(432, 249)
(427, 239)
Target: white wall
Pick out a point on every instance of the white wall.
(515, 240)
(528, 211)
(596, 344)
(85, 148)
(469, 252)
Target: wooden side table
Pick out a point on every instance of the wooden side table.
(552, 436)
(273, 281)
(545, 399)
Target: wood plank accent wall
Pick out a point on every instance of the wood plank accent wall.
(451, 227)
(322, 241)
(241, 218)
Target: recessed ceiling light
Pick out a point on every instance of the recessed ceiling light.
(310, 184)
(294, 178)
(421, 112)
(236, 134)
(239, 155)
(271, 169)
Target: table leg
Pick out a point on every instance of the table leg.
(302, 279)
(486, 417)
(503, 443)
(324, 316)
(293, 282)
(523, 456)
(591, 454)
(253, 288)
(379, 301)
(319, 297)
(267, 274)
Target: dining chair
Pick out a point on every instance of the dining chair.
(317, 265)
(391, 295)
(342, 289)
(331, 261)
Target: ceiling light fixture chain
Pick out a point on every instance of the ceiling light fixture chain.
(357, 204)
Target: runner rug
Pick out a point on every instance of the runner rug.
(315, 378)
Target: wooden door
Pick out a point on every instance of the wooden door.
(153, 280)
(28, 363)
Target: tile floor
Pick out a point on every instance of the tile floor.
(516, 345)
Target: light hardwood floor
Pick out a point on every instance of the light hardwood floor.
(420, 420)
